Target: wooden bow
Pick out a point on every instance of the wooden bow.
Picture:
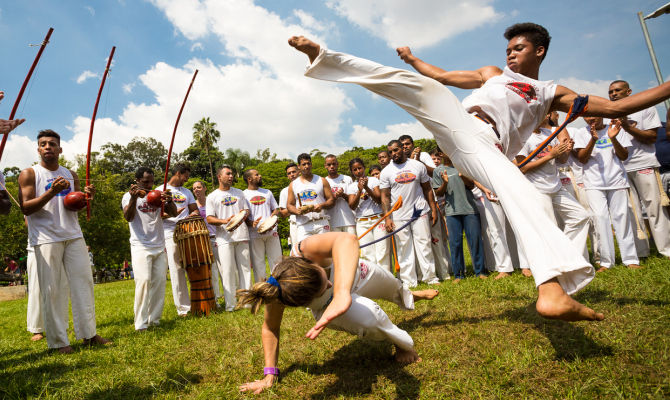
(90, 133)
(23, 87)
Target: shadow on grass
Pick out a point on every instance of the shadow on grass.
(33, 380)
(602, 296)
(176, 380)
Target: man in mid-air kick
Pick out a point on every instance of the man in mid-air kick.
(500, 115)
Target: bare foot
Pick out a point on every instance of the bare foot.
(634, 266)
(526, 272)
(456, 280)
(483, 277)
(65, 350)
(427, 294)
(306, 46)
(502, 275)
(406, 356)
(36, 337)
(602, 269)
(97, 340)
(554, 303)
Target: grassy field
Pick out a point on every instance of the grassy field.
(478, 339)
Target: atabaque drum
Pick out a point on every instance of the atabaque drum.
(195, 250)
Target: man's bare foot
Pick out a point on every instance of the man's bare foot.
(483, 276)
(502, 275)
(406, 356)
(65, 350)
(306, 46)
(526, 272)
(36, 337)
(427, 294)
(554, 303)
(456, 280)
(97, 340)
(602, 269)
(634, 266)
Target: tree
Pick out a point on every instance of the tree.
(265, 155)
(239, 160)
(141, 151)
(206, 135)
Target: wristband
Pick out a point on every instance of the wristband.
(271, 371)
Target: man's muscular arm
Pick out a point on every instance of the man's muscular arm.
(646, 136)
(31, 204)
(460, 79)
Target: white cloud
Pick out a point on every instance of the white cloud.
(128, 87)
(366, 137)
(197, 46)
(418, 23)
(86, 75)
(188, 16)
(90, 9)
(581, 86)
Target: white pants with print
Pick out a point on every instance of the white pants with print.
(34, 319)
(262, 246)
(235, 270)
(414, 246)
(378, 253)
(471, 145)
(311, 228)
(439, 241)
(646, 193)
(613, 205)
(63, 268)
(182, 301)
(575, 219)
(150, 267)
(492, 220)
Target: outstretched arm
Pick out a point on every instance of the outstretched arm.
(460, 79)
(601, 107)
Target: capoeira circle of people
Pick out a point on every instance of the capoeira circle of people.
(507, 115)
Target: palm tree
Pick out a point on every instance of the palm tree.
(205, 134)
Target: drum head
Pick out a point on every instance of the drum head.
(267, 224)
(236, 221)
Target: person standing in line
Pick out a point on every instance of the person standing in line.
(342, 219)
(262, 206)
(186, 204)
(439, 232)
(309, 196)
(233, 247)
(147, 247)
(383, 158)
(291, 173)
(63, 267)
(200, 193)
(415, 153)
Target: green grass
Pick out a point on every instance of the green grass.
(478, 340)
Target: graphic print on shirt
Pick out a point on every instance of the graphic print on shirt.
(307, 195)
(145, 207)
(603, 143)
(525, 90)
(61, 193)
(229, 200)
(179, 199)
(545, 152)
(258, 200)
(404, 177)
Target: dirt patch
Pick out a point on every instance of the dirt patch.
(12, 292)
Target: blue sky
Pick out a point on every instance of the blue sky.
(251, 82)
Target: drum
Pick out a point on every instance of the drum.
(236, 220)
(267, 224)
(192, 239)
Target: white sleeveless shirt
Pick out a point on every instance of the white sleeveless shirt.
(53, 222)
(309, 193)
(516, 103)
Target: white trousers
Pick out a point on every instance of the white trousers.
(646, 191)
(496, 251)
(378, 253)
(216, 278)
(64, 268)
(471, 145)
(583, 199)
(365, 318)
(613, 205)
(182, 301)
(414, 247)
(574, 218)
(346, 229)
(235, 270)
(150, 266)
(265, 245)
(438, 240)
(293, 233)
(311, 228)
(34, 319)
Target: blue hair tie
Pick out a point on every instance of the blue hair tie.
(273, 281)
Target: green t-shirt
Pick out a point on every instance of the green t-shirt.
(459, 200)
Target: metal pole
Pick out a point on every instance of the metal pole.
(652, 54)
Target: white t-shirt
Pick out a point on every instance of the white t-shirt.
(576, 167)
(517, 104)
(182, 198)
(366, 206)
(53, 222)
(223, 204)
(262, 203)
(603, 170)
(283, 199)
(146, 229)
(641, 155)
(545, 178)
(405, 180)
(306, 193)
(341, 214)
